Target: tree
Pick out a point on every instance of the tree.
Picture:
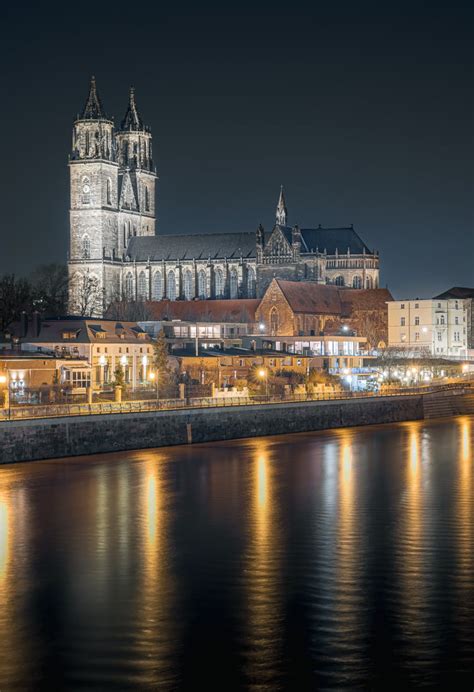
(119, 376)
(87, 299)
(166, 376)
(15, 297)
(50, 289)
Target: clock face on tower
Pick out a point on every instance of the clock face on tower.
(86, 189)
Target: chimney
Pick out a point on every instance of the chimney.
(36, 323)
(23, 324)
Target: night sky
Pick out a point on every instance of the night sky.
(364, 113)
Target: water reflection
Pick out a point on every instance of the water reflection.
(262, 580)
(157, 635)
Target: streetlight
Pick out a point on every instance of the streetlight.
(262, 373)
(154, 378)
(6, 399)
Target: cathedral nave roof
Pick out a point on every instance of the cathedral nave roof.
(192, 246)
(329, 239)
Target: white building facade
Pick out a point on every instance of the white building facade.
(433, 327)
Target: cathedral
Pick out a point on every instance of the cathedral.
(115, 252)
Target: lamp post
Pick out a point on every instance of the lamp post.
(6, 397)
(154, 378)
(262, 373)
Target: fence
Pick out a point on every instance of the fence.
(141, 406)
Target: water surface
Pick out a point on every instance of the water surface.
(328, 560)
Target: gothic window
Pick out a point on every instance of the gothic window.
(142, 286)
(86, 247)
(171, 286)
(147, 199)
(274, 321)
(85, 190)
(157, 286)
(339, 281)
(202, 284)
(188, 285)
(234, 283)
(368, 282)
(356, 282)
(219, 283)
(109, 191)
(251, 283)
(129, 286)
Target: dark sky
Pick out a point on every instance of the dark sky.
(364, 113)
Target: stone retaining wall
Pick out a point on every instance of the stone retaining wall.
(76, 435)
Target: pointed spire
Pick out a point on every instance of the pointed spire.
(93, 110)
(281, 211)
(132, 119)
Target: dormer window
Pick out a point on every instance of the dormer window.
(68, 334)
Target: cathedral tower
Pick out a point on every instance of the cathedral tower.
(94, 185)
(137, 176)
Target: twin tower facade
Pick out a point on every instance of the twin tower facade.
(115, 254)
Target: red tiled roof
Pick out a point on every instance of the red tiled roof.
(364, 299)
(310, 297)
(242, 310)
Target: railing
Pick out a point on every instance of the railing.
(64, 410)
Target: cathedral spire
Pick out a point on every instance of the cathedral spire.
(132, 120)
(93, 109)
(281, 211)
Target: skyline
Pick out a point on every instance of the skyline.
(378, 134)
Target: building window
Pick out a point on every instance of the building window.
(357, 282)
(441, 319)
(339, 281)
(157, 286)
(129, 286)
(142, 286)
(251, 283)
(417, 336)
(368, 282)
(86, 247)
(417, 321)
(234, 283)
(274, 321)
(147, 199)
(188, 285)
(85, 190)
(456, 320)
(417, 305)
(402, 321)
(202, 284)
(171, 286)
(109, 191)
(219, 283)
(439, 336)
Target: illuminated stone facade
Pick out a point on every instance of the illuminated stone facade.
(115, 254)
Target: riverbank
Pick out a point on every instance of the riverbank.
(78, 435)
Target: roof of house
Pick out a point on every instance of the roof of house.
(84, 330)
(353, 299)
(189, 247)
(242, 310)
(311, 297)
(456, 292)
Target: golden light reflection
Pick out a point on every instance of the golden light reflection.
(262, 581)
(348, 535)
(4, 543)
(411, 550)
(465, 505)
(156, 641)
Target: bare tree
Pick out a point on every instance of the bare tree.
(87, 298)
(15, 297)
(50, 289)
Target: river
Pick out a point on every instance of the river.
(342, 559)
